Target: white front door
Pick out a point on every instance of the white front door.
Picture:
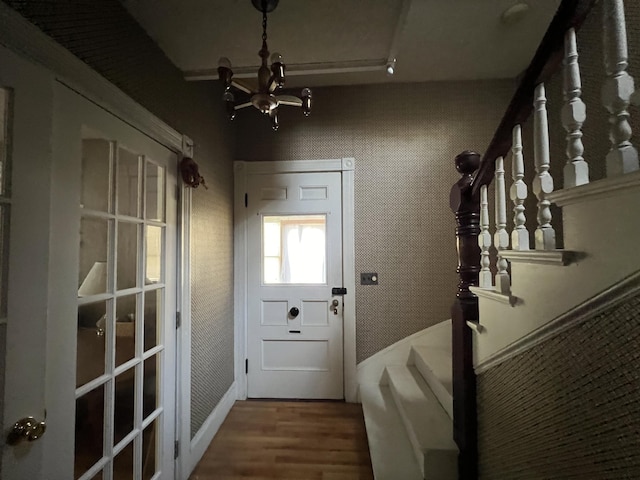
(111, 378)
(295, 322)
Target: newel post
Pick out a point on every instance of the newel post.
(466, 207)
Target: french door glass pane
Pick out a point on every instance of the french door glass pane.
(96, 165)
(293, 249)
(94, 244)
(124, 402)
(5, 141)
(90, 352)
(149, 445)
(125, 328)
(89, 430)
(5, 210)
(127, 255)
(154, 191)
(123, 464)
(5, 193)
(152, 315)
(153, 260)
(150, 386)
(128, 183)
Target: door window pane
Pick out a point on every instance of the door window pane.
(150, 385)
(149, 440)
(154, 191)
(96, 165)
(123, 464)
(90, 353)
(94, 241)
(89, 430)
(5, 193)
(128, 182)
(152, 315)
(4, 256)
(125, 328)
(5, 141)
(153, 263)
(124, 403)
(127, 255)
(293, 249)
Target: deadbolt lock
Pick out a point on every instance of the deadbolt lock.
(28, 429)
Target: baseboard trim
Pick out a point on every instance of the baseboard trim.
(588, 309)
(212, 424)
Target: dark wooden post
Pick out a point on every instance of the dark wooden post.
(466, 207)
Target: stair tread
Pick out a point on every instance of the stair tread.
(428, 424)
(438, 360)
(389, 446)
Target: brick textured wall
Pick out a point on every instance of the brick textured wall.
(107, 38)
(568, 408)
(404, 139)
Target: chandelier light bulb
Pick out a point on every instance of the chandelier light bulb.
(224, 62)
(276, 58)
(274, 119)
(391, 67)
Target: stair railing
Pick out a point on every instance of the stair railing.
(469, 196)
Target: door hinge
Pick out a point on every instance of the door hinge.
(176, 449)
(178, 320)
(246, 365)
(246, 200)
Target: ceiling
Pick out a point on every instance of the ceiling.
(349, 42)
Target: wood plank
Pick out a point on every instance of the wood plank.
(266, 440)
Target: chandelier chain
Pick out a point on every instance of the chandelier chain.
(264, 25)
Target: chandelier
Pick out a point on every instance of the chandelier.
(270, 80)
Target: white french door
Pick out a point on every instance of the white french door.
(295, 323)
(114, 248)
(25, 131)
(88, 234)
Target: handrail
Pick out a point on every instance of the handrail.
(570, 14)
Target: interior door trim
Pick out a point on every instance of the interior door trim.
(241, 171)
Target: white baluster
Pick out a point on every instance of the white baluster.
(617, 90)
(574, 113)
(501, 237)
(484, 240)
(520, 234)
(545, 235)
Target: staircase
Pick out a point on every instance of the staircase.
(408, 413)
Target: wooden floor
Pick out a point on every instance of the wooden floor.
(262, 440)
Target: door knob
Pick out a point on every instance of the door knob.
(294, 312)
(28, 429)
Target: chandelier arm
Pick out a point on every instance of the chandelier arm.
(241, 86)
(289, 100)
(243, 105)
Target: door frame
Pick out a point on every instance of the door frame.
(242, 169)
(33, 45)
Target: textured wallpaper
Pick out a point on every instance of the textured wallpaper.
(101, 33)
(404, 139)
(568, 408)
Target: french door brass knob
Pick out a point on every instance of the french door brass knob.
(28, 429)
